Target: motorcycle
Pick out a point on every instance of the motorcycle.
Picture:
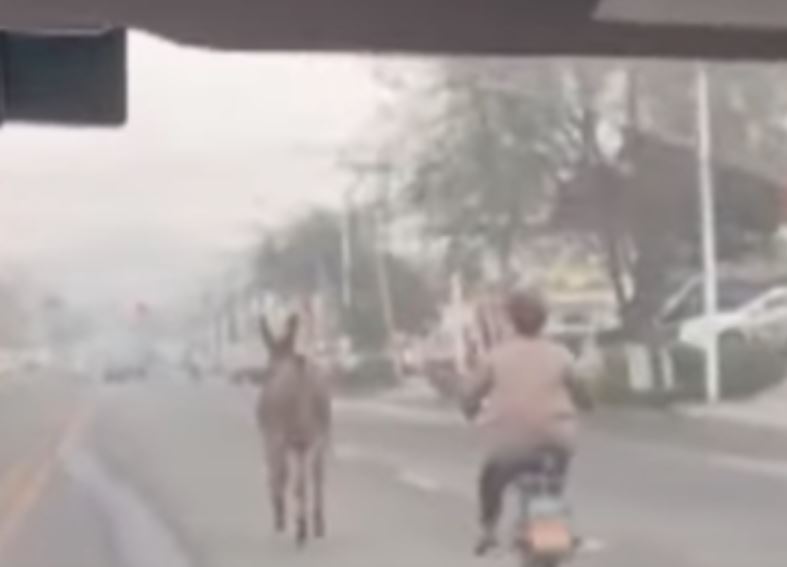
(544, 535)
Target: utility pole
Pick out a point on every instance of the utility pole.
(457, 323)
(708, 220)
(347, 246)
(380, 248)
(383, 279)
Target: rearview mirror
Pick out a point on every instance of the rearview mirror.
(76, 78)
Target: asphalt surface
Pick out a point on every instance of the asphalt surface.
(172, 474)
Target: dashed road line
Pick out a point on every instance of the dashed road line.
(398, 412)
(773, 468)
(419, 481)
(770, 468)
(406, 475)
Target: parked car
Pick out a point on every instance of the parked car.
(748, 311)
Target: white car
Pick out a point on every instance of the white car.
(747, 312)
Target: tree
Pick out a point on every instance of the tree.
(496, 143)
(748, 103)
(646, 216)
(303, 258)
(306, 258)
(642, 203)
(513, 145)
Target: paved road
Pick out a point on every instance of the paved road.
(171, 475)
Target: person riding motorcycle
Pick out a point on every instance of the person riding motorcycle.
(532, 397)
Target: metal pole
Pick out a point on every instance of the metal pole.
(708, 220)
(380, 249)
(456, 312)
(383, 282)
(347, 250)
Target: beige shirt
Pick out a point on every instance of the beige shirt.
(528, 402)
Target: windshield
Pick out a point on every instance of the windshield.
(160, 407)
(731, 295)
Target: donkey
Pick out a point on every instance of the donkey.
(294, 416)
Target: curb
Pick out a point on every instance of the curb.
(735, 415)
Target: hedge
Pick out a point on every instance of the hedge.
(745, 370)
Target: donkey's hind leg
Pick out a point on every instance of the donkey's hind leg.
(318, 478)
(277, 483)
(301, 496)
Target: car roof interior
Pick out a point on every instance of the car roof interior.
(712, 29)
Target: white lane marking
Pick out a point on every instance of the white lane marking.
(424, 482)
(592, 545)
(360, 454)
(348, 452)
(771, 468)
(405, 474)
(399, 412)
(764, 414)
(419, 481)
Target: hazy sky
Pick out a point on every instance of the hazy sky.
(216, 144)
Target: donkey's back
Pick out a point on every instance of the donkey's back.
(295, 406)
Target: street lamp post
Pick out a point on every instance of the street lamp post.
(708, 220)
(380, 250)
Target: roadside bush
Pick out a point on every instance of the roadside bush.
(745, 370)
(612, 385)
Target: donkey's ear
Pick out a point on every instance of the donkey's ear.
(267, 336)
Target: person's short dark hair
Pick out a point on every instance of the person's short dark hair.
(527, 312)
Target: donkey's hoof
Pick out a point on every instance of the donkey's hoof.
(301, 533)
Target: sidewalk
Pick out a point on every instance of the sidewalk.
(769, 410)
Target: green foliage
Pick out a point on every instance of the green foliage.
(304, 257)
(745, 370)
(612, 387)
(491, 156)
(507, 137)
(745, 99)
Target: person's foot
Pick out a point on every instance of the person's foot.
(486, 543)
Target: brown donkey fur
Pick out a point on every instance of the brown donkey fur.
(294, 416)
